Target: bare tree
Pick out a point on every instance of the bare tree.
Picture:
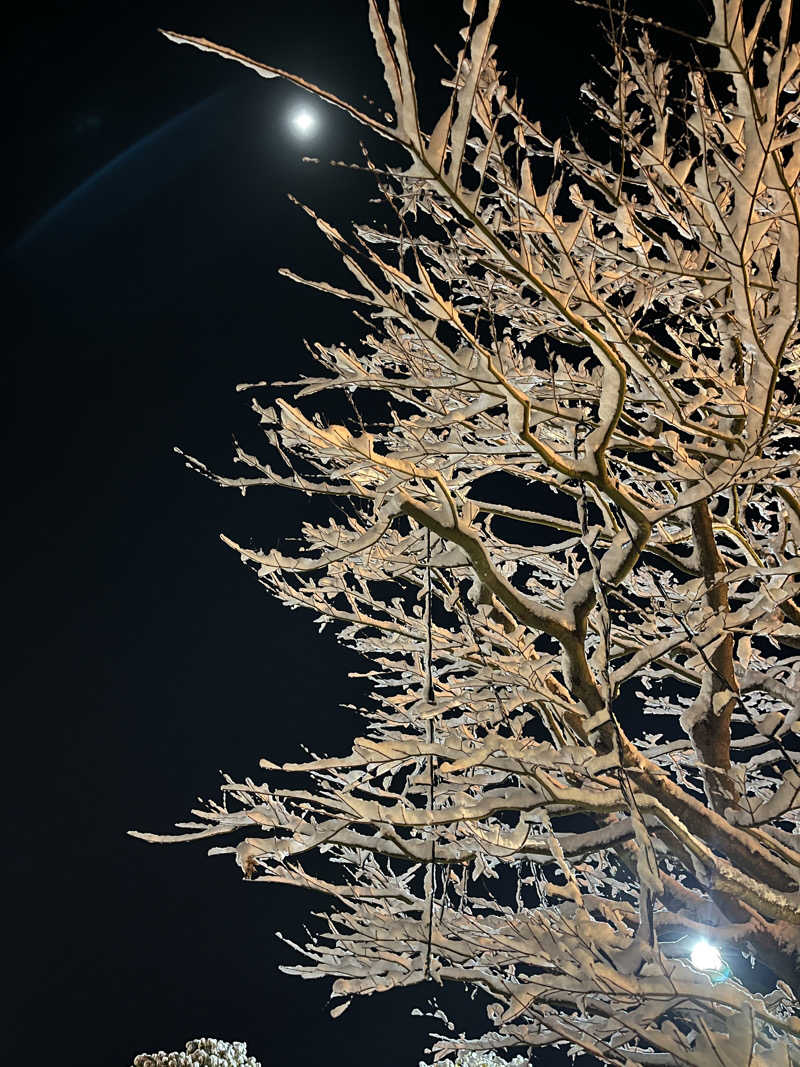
(615, 331)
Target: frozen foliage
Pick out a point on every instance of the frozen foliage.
(201, 1052)
(480, 1059)
(581, 751)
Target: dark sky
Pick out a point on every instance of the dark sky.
(150, 216)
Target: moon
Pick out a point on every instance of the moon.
(303, 121)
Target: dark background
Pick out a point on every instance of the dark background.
(147, 184)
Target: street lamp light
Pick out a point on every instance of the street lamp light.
(706, 957)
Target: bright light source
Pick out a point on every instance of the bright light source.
(706, 957)
(303, 122)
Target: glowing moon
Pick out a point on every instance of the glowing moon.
(303, 121)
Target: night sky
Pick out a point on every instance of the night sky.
(148, 185)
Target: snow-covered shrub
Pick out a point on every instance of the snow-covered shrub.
(200, 1052)
(480, 1059)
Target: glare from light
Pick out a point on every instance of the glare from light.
(303, 122)
(706, 957)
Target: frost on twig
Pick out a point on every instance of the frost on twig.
(580, 753)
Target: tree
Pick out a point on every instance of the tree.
(567, 499)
